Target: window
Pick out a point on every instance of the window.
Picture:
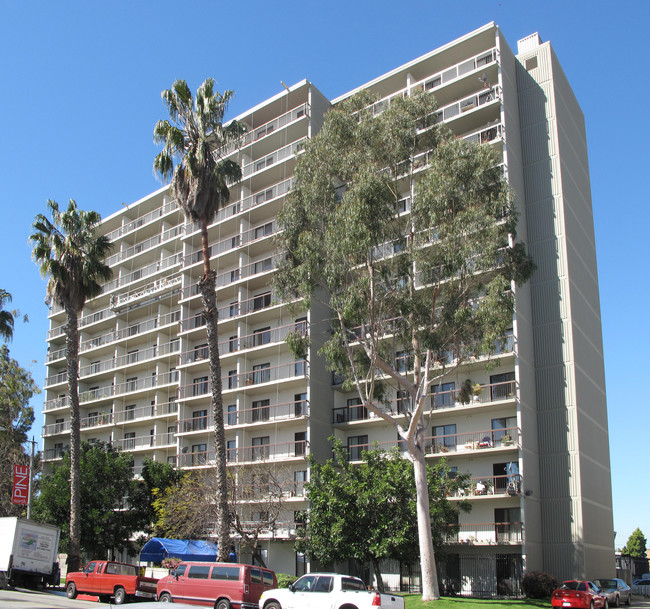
(228, 573)
(263, 231)
(132, 356)
(402, 205)
(231, 451)
(261, 373)
(356, 410)
(502, 386)
(402, 402)
(444, 438)
(300, 404)
(94, 367)
(199, 419)
(132, 383)
(403, 361)
(324, 583)
(171, 430)
(300, 326)
(263, 265)
(234, 275)
(300, 367)
(201, 352)
(263, 196)
(198, 572)
(262, 336)
(261, 448)
(129, 440)
(305, 584)
(233, 344)
(262, 301)
(234, 309)
(503, 430)
(531, 63)
(506, 477)
(93, 419)
(261, 411)
(133, 330)
(232, 379)
(299, 479)
(235, 241)
(199, 454)
(129, 412)
(200, 386)
(357, 444)
(232, 414)
(443, 395)
(58, 425)
(300, 444)
(507, 524)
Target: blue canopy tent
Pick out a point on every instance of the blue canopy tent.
(158, 548)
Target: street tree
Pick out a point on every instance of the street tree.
(637, 544)
(194, 140)
(367, 511)
(6, 317)
(105, 481)
(71, 255)
(412, 295)
(156, 476)
(17, 387)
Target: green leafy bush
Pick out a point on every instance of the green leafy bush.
(284, 579)
(537, 584)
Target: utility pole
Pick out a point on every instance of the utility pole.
(31, 478)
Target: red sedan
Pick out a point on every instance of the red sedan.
(579, 595)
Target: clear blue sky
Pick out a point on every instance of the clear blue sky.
(80, 93)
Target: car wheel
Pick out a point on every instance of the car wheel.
(222, 603)
(272, 605)
(71, 590)
(120, 596)
(606, 605)
(165, 597)
(617, 602)
(628, 602)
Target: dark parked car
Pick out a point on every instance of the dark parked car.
(579, 595)
(616, 591)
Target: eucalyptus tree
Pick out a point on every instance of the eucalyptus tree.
(412, 295)
(6, 317)
(70, 254)
(194, 143)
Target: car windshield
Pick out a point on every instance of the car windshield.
(605, 583)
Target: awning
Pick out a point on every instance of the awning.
(186, 549)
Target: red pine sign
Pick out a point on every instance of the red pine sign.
(21, 485)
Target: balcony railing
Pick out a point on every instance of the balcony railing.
(489, 533)
(276, 157)
(248, 454)
(261, 414)
(477, 440)
(130, 358)
(257, 267)
(142, 220)
(147, 441)
(52, 454)
(151, 289)
(130, 386)
(56, 403)
(250, 236)
(147, 244)
(143, 273)
(56, 428)
(493, 486)
(133, 330)
(145, 412)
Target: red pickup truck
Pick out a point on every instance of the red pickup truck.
(105, 578)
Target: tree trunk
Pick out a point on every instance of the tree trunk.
(430, 590)
(378, 577)
(72, 368)
(207, 286)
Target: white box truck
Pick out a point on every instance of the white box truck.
(28, 552)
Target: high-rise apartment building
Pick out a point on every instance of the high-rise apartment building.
(534, 437)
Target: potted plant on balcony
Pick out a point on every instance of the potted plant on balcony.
(476, 390)
(506, 440)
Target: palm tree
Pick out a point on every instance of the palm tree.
(194, 139)
(6, 317)
(72, 257)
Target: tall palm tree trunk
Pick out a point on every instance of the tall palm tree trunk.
(207, 287)
(72, 347)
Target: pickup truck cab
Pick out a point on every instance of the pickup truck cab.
(106, 578)
(328, 591)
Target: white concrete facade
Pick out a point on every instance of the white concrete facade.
(536, 433)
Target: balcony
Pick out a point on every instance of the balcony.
(130, 331)
(148, 291)
(133, 225)
(146, 412)
(147, 442)
(130, 359)
(146, 245)
(508, 438)
(258, 267)
(507, 485)
(96, 420)
(56, 379)
(143, 273)
(56, 428)
(129, 387)
(249, 454)
(485, 534)
(281, 154)
(56, 403)
(53, 454)
(257, 233)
